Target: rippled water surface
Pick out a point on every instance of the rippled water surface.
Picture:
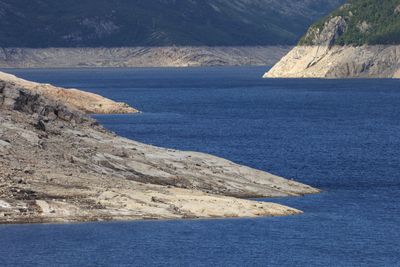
(342, 136)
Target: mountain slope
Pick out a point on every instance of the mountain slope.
(360, 39)
(93, 23)
(367, 22)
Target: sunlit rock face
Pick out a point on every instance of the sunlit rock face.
(354, 41)
(58, 165)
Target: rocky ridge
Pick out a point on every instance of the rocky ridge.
(58, 165)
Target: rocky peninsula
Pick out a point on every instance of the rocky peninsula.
(59, 165)
(357, 40)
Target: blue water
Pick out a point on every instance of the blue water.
(342, 136)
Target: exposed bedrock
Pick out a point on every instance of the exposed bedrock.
(319, 56)
(57, 165)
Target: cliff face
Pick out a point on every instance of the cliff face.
(347, 44)
(57, 165)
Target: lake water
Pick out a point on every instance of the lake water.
(342, 136)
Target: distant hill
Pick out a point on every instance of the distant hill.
(115, 23)
(369, 22)
(361, 39)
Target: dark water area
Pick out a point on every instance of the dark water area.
(342, 136)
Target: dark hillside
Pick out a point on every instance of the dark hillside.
(114, 23)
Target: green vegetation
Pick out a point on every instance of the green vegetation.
(113, 23)
(368, 22)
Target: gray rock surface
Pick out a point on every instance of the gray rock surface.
(377, 61)
(330, 32)
(57, 165)
(323, 59)
(140, 57)
(75, 99)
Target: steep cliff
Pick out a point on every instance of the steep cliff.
(360, 39)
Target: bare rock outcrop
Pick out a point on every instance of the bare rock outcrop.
(185, 56)
(330, 32)
(57, 165)
(377, 61)
(15, 98)
(88, 103)
(322, 57)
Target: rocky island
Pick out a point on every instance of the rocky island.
(359, 40)
(59, 165)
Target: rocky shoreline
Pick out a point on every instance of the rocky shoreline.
(368, 61)
(322, 57)
(58, 165)
(78, 100)
(185, 56)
